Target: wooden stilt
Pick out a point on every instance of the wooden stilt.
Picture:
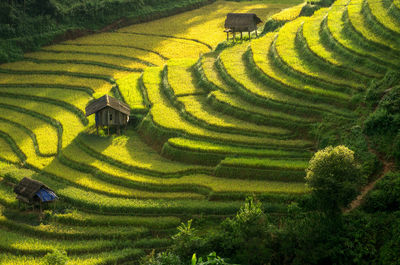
(249, 35)
(234, 36)
(256, 34)
(227, 36)
(108, 130)
(241, 35)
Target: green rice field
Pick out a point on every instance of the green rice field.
(208, 127)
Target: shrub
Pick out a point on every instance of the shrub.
(247, 237)
(384, 123)
(212, 259)
(57, 257)
(187, 241)
(386, 194)
(163, 258)
(334, 177)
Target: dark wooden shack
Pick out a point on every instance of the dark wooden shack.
(109, 112)
(241, 22)
(34, 192)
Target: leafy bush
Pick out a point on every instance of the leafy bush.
(383, 124)
(247, 237)
(57, 257)
(187, 241)
(212, 259)
(377, 88)
(334, 177)
(163, 258)
(386, 194)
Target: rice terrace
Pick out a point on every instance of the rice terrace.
(190, 132)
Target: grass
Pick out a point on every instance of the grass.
(197, 107)
(361, 26)
(381, 14)
(130, 91)
(90, 182)
(250, 112)
(206, 24)
(117, 52)
(7, 197)
(96, 85)
(25, 143)
(72, 232)
(161, 108)
(233, 63)
(358, 29)
(111, 257)
(84, 199)
(71, 124)
(130, 150)
(180, 77)
(23, 244)
(267, 163)
(103, 258)
(285, 46)
(216, 112)
(167, 47)
(393, 9)
(191, 182)
(262, 168)
(315, 44)
(46, 134)
(289, 14)
(85, 58)
(337, 29)
(76, 98)
(87, 219)
(376, 25)
(207, 147)
(7, 152)
(211, 73)
(64, 67)
(333, 38)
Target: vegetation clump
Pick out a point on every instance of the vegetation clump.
(334, 177)
(57, 257)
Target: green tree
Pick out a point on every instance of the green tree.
(187, 241)
(334, 177)
(247, 238)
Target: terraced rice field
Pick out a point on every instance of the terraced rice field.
(216, 125)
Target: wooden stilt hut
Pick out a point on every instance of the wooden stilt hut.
(109, 112)
(35, 193)
(241, 22)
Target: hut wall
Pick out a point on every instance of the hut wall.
(110, 117)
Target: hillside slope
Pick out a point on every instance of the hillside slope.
(218, 125)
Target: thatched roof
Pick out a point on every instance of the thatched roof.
(107, 101)
(242, 21)
(27, 189)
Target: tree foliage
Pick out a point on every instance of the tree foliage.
(334, 177)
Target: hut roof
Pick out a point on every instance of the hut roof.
(107, 101)
(28, 188)
(242, 20)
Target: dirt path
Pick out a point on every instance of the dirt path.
(387, 166)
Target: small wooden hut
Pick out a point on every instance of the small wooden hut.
(109, 112)
(34, 192)
(241, 22)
